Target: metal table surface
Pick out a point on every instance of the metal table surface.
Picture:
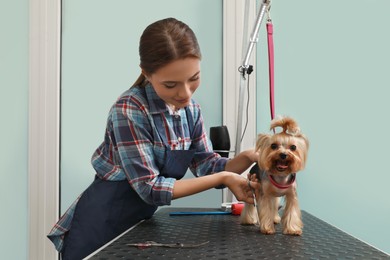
(228, 239)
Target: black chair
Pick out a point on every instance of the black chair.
(219, 136)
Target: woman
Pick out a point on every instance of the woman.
(154, 132)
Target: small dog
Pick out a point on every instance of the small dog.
(281, 156)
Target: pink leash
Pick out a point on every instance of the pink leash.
(270, 31)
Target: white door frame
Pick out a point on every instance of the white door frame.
(44, 110)
(239, 17)
(44, 125)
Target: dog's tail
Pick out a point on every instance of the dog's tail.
(288, 124)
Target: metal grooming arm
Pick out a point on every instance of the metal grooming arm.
(245, 68)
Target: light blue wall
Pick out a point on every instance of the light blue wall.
(100, 60)
(332, 75)
(14, 128)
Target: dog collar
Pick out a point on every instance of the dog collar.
(282, 186)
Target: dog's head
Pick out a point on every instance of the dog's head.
(284, 152)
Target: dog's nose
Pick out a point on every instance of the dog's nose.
(283, 156)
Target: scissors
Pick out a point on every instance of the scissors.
(149, 244)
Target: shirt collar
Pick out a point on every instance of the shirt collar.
(156, 104)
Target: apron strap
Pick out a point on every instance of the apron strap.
(190, 120)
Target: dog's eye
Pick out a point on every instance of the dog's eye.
(293, 147)
(274, 146)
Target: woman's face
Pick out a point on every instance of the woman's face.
(177, 81)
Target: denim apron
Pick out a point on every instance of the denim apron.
(108, 208)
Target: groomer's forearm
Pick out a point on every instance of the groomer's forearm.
(192, 186)
(239, 163)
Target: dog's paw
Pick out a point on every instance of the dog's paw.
(292, 227)
(267, 227)
(267, 231)
(292, 232)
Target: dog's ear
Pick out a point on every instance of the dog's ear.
(262, 141)
(304, 148)
(304, 138)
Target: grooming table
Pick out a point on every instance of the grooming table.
(228, 239)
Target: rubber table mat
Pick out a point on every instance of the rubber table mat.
(228, 239)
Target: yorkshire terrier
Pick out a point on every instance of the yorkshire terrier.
(281, 156)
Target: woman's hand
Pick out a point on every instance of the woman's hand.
(239, 186)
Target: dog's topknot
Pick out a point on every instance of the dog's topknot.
(288, 124)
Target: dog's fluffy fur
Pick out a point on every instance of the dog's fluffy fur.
(281, 156)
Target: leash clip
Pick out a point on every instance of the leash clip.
(268, 11)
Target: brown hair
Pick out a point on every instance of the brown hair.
(165, 41)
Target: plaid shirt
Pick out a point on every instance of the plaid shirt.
(133, 149)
